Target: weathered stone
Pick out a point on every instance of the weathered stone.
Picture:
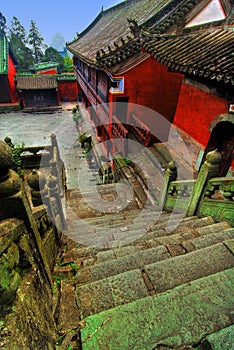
(182, 316)
(31, 324)
(6, 157)
(221, 340)
(69, 314)
(186, 268)
(110, 292)
(113, 267)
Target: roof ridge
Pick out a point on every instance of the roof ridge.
(104, 13)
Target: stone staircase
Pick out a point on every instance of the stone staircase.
(140, 279)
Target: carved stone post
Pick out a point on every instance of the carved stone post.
(58, 208)
(39, 191)
(170, 175)
(209, 169)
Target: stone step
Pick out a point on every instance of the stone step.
(107, 238)
(178, 317)
(113, 218)
(177, 244)
(107, 263)
(208, 240)
(187, 232)
(145, 220)
(113, 267)
(221, 340)
(157, 277)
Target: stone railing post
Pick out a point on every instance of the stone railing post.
(53, 188)
(170, 175)
(37, 183)
(209, 169)
(56, 163)
(14, 204)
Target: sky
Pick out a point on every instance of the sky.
(53, 16)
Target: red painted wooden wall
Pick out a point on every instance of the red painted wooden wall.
(195, 111)
(68, 90)
(150, 84)
(12, 86)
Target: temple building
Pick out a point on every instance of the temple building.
(8, 91)
(117, 59)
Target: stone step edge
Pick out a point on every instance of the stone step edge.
(187, 327)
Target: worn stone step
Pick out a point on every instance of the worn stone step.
(111, 219)
(221, 340)
(92, 240)
(196, 230)
(110, 292)
(157, 277)
(177, 244)
(188, 267)
(209, 239)
(182, 316)
(113, 267)
(107, 238)
(110, 262)
(149, 222)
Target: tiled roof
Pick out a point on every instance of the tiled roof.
(111, 35)
(36, 82)
(44, 65)
(4, 50)
(207, 53)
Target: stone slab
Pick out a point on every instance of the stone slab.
(184, 316)
(114, 267)
(113, 291)
(185, 268)
(208, 240)
(222, 340)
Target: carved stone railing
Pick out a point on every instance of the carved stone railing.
(218, 200)
(36, 157)
(179, 194)
(207, 195)
(31, 225)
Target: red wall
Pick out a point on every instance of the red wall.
(49, 71)
(195, 111)
(11, 74)
(68, 89)
(151, 85)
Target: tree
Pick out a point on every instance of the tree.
(2, 22)
(17, 39)
(68, 63)
(52, 55)
(18, 30)
(36, 41)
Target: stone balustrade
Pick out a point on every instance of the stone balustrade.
(207, 195)
(31, 224)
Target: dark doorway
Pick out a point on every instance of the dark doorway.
(222, 139)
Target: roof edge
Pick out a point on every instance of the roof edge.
(104, 13)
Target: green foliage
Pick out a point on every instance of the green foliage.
(68, 64)
(2, 22)
(128, 161)
(52, 55)
(35, 40)
(16, 150)
(18, 42)
(82, 137)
